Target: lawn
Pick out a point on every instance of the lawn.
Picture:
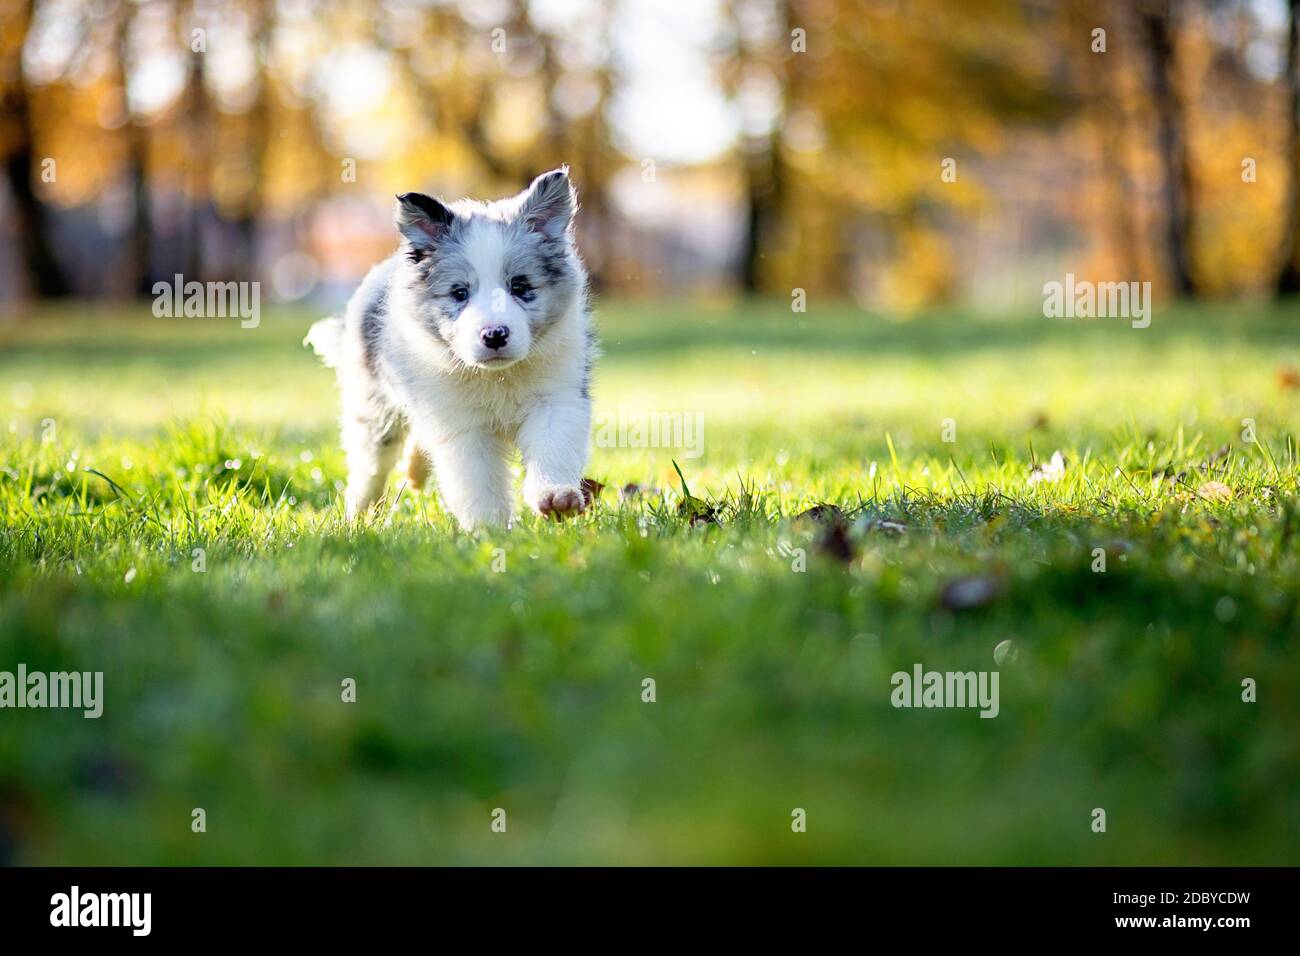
(171, 516)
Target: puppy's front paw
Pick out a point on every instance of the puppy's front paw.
(559, 502)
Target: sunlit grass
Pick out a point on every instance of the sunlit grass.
(138, 450)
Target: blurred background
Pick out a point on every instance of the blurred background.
(170, 507)
(898, 155)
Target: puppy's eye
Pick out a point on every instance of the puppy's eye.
(520, 287)
(459, 293)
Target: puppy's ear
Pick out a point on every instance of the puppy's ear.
(423, 220)
(548, 205)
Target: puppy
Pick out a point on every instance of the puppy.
(472, 340)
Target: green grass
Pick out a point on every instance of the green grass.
(130, 442)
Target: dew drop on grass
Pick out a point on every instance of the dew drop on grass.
(1005, 652)
(130, 575)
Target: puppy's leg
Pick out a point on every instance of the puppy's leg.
(416, 464)
(554, 441)
(371, 447)
(474, 478)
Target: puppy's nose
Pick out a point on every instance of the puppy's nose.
(495, 337)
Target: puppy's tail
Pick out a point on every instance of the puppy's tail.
(326, 338)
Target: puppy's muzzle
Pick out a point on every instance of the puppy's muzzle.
(495, 337)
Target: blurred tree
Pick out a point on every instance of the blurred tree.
(513, 100)
(137, 251)
(1102, 75)
(1158, 29)
(1230, 55)
(848, 169)
(256, 141)
(763, 70)
(1288, 280)
(18, 143)
(197, 127)
(883, 148)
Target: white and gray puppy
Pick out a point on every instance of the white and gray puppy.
(470, 341)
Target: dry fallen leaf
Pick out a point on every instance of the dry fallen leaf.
(1218, 456)
(822, 514)
(1049, 471)
(591, 489)
(1214, 491)
(834, 540)
(870, 523)
(699, 510)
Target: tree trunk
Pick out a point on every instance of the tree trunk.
(762, 211)
(1157, 32)
(138, 248)
(1108, 115)
(197, 124)
(764, 171)
(1288, 280)
(31, 218)
(258, 142)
